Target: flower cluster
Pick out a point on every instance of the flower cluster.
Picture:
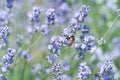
(84, 71)
(56, 44)
(4, 34)
(50, 16)
(57, 71)
(76, 25)
(76, 35)
(88, 44)
(9, 3)
(3, 16)
(69, 34)
(27, 55)
(54, 48)
(7, 60)
(44, 29)
(34, 16)
(51, 58)
(64, 9)
(82, 14)
(106, 72)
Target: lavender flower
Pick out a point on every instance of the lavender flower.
(9, 3)
(87, 45)
(44, 29)
(27, 55)
(84, 71)
(82, 14)
(89, 41)
(106, 72)
(32, 29)
(116, 41)
(51, 58)
(2, 77)
(34, 16)
(84, 29)
(57, 71)
(66, 66)
(76, 45)
(50, 16)
(7, 60)
(74, 24)
(4, 34)
(56, 44)
(64, 9)
(3, 16)
(68, 32)
(59, 1)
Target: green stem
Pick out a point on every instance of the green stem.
(109, 30)
(34, 43)
(23, 71)
(105, 35)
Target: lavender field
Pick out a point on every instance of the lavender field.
(59, 39)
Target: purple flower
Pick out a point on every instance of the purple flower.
(106, 71)
(76, 45)
(2, 77)
(27, 55)
(68, 32)
(50, 16)
(34, 16)
(8, 58)
(9, 3)
(4, 34)
(88, 44)
(66, 66)
(74, 24)
(89, 41)
(3, 16)
(56, 44)
(64, 9)
(57, 71)
(44, 29)
(82, 14)
(84, 71)
(84, 29)
(51, 58)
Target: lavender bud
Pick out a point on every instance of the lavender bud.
(50, 16)
(9, 3)
(84, 71)
(44, 29)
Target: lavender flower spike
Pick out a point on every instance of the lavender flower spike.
(84, 71)
(51, 16)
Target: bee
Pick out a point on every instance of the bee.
(71, 39)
